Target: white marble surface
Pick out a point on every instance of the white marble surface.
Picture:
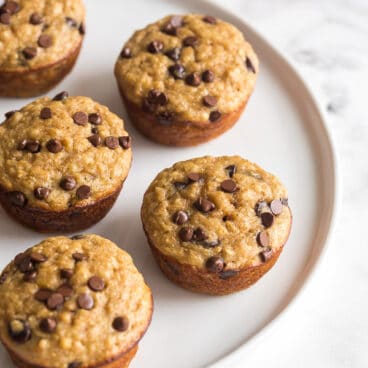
(327, 41)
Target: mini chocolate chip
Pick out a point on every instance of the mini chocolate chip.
(120, 324)
(19, 331)
(33, 146)
(82, 29)
(231, 169)
(215, 116)
(266, 254)
(204, 205)
(48, 325)
(17, 198)
(44, 41)
(165, 117)
(71, 22)
(194, 177)
(95, 118)
(180, 217)
(45, 113)
(35, 19)
(177, 71)
(199, 235)
(26, 265)
(54, 146)
(68, 183)
(61, 96)
(172, 25)
(78, 257)
(5, 18)
(215, 264)
(94, 130)
(285, 202)
(85, 301)
(208, 76)
(186, 234)
(95, 283)
(155, 47)
(83, 192)
(276, 207)
(173, 54)
(29, 52)
(249, 65)
(210, 101)
(19, 258)
(11, 7)
(112, 142)
(126, 53)
(65, 290)
(54, 301)
(209, 19)
(263, 239)
(74, 365)
(267, 219)
(22, 145)
(80, 118)
(66, 273)
(190, 41)
(125, 142)
(41, 193)
(179, 185)
(38, 257)
(157, 97)
(227, 274)
(229, 186)
(9, 114)
(30, 276)
(95, 139)
(42, 294)
(260, 207)
(193, 79)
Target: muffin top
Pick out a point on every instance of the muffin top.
(39, 32)
(70, 302)
(223, 207)
(64, 152)
(188, 68)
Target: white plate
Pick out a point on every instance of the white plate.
(282, 130)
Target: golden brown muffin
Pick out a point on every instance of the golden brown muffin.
(39, 41)
(216, 224)
(72, 303)
(186, 79)
(62, 162)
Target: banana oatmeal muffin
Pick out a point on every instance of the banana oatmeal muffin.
(39, 43)
(216, 224)
(186, 79)
(63, 162)
(72, 303)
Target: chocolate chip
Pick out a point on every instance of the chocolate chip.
(199, 235)
(215, 264)
(19, 331)
(33, 146)
(125, 142)
(120, 324)
(266, 254)
(208, 76)
(77, 237)
(29, 52)
(95, 118)
(17, 198)
(71, 22)
(85, 301)
(260, 207)
(190, 41)
(172, 25)
(5, 18)
(65, 290)
(48, 325)
(204, 205)
(78, 257)
(224, 275)
(41, 193)
(267, 219)
(285, 202)
(83, 192)
(26, 265)
(42, 294)
(215, 116)
(112, 142)
(126, 53)
(94, 130)
(276, 207)
(180, 217)
(61, 96)
(173, 54)
(35, 19)
(156, 97)
(82, 29)
(54, 146)
(179, 185)
(38, 257)
(9, 114)
(19, 258)
(249, 65)
(95, 283)
(177, 71)
(74, 365)
(54, 301)
(193, 79)
(194, 177)
(186, 234)
(30, 276)
(11, 7)
(209, 19)
(229, 186)
(231, 169)
(3, 277)
(22, 145)
(95, 139)
(263, 239)
(165, 117)
(155, 47)
(44, 41)
(45, 113)
(209, 101)
(68, 183)
(80, 118)
(66, 273)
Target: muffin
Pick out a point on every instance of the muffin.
(40, 42)
(63, 162)
(186, 79)
(216, 224)
(72, 303)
